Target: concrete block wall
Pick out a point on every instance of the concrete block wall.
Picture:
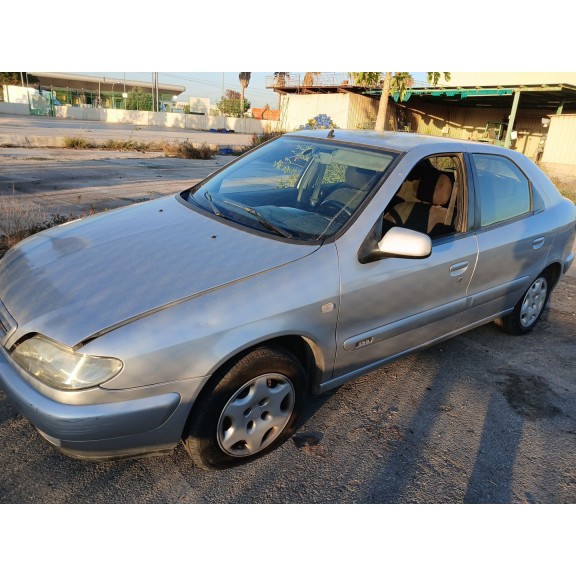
(16, 109)
(167, 119)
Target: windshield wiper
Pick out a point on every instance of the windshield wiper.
(266, 223)
(208, 197)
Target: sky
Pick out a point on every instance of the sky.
(213, 84)
(203, 84)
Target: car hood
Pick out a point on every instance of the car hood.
(78, 280)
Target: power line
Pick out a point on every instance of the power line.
(214, 84)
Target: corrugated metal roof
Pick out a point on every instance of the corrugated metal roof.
(106, 82)
(546, 98)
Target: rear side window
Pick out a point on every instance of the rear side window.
(503, 190)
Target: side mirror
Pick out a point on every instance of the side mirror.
(405, 243)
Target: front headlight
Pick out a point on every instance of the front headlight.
(61, 367)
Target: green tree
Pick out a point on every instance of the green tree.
(229, 104)
(139, 100)
(244, 78)
(15, 78)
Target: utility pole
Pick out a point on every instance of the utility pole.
(157, 92)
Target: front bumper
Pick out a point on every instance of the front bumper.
(127, 423)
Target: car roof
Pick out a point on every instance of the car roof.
(400, 141)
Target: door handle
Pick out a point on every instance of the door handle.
(458, 269)
(538, 243)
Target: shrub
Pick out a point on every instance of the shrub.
(19, 215)
(189, 151)
(230, 104)
(122, 145)
(77, 142)
(22, 218)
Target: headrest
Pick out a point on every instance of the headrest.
(434, 188)
(358, 178)
(442, 191)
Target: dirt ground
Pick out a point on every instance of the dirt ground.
(482, 418)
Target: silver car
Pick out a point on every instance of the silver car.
(208, 317)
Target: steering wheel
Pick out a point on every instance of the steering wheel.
(333, 208)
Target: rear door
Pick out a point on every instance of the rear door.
(512, 231)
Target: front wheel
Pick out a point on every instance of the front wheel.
(249, 409)
(529, 308)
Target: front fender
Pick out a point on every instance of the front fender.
(196, 337)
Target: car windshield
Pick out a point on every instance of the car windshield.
(299, 188)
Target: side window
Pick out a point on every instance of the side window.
(431, 199)
(503, 190)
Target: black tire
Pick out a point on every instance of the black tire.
(249, 408)
(529, 308)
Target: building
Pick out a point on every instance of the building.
(95, 91)
(532, 112)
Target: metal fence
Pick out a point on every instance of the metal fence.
(41, 103)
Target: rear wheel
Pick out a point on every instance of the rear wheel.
(249, 409)
(529, 308)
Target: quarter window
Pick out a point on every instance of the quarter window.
(503, 190)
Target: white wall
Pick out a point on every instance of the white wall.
(167, 119)
(560, 147)
(297, 109)
(17, 94)
(201, 105)
(17, 109)
(347, 111)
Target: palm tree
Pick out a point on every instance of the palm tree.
(309, 78)
(383, 104)
(280, 80)
(244, 78)
(433, 77)
(400, 82)
(401, 85)
(366, 79)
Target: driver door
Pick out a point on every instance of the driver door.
(393, 305)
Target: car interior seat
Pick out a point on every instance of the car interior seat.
(427, 193)
(349, 197)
